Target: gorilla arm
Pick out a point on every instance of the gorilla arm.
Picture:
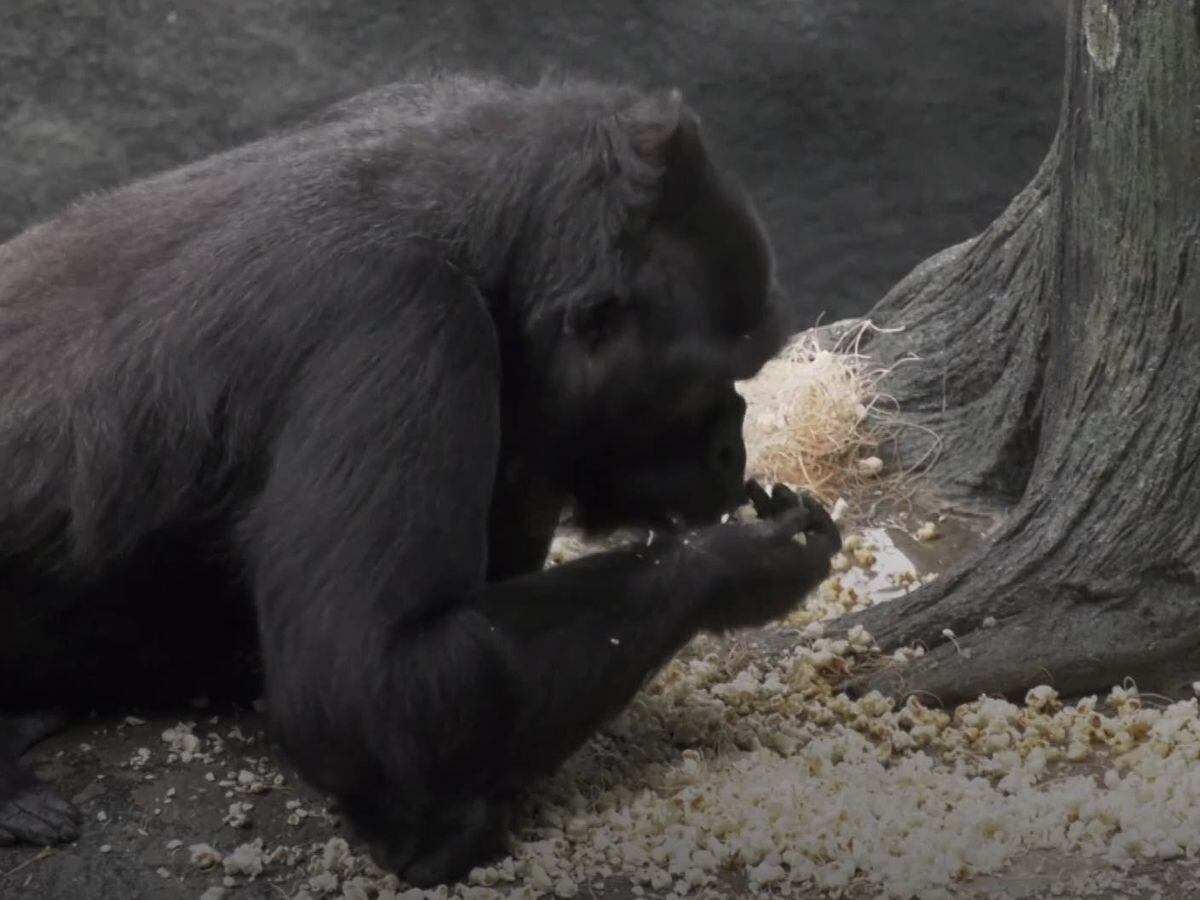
(397, 678)
(600, 625)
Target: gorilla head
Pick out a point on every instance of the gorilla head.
(665, 311)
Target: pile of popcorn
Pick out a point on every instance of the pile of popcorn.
(742, 771)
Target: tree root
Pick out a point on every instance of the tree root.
(1072, 641)
(1058, 366)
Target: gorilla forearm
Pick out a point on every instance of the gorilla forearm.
(464, 709)
(597, 627)
(532, 666)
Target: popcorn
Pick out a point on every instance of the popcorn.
(758, 765)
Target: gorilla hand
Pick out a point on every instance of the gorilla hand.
(765, 568)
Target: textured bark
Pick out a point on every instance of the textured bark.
(1059, 365)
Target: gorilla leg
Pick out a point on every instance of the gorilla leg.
(167, 628)
(29, 810)
(171, 625)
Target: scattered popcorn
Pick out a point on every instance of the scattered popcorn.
(1042, 698)
(238, 815)
(685, 786)
(247, 860)
(247, 782)
(927, 532)
(864, 558)
(870, 466)
(324, 883)
(758, 766)
(182, 743)
(203, 856)
(840, 506)
(745, 513)
(140, 757)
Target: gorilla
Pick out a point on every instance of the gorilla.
(302, 418)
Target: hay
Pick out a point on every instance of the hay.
(816, 419)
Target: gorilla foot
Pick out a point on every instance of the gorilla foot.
(30, 812)
(470, 836)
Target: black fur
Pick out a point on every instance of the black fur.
(322, 399)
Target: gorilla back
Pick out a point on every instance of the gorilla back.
(317, 403)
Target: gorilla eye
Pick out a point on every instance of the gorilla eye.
(598, 320)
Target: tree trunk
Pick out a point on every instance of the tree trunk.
(1058, 366)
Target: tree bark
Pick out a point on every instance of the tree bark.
(1058, 365)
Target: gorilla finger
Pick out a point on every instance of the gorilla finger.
(820, 521)
(820, 547)
(62, 807)
(28, 827)
(55, 812)
(788, 525)
(783, 498)
(59, 826)
(761, 500)
(7, 838)
(67, 826)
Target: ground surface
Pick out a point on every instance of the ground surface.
(146, 803)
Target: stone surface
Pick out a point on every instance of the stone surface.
(871, 135)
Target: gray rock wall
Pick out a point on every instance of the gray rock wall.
(872, 132)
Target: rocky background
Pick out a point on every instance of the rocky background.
(871, 133)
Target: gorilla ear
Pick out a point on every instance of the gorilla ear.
(652, 123)
(665, 133)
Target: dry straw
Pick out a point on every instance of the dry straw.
(816, 419)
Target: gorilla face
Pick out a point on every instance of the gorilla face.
(685, 469)
(659, 434)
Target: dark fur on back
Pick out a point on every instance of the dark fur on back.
(327, 394)
(157, 320)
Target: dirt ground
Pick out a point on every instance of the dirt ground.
(145, 804)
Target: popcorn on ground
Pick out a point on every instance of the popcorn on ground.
(738, 769)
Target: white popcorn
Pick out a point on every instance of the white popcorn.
(870, 466)
(758, 765)
(204, 856)
(927, 532)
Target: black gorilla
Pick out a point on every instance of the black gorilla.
(319, 402)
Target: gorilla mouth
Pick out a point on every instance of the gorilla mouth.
(626, 506)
